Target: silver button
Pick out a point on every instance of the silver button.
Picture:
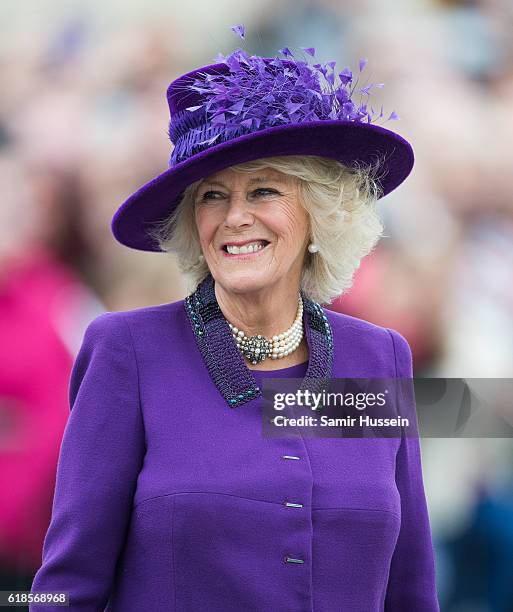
(290, 457)
(292, 505)
(288, 559)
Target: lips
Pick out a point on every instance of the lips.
(243, 242)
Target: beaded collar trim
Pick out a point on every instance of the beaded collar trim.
(223, 359)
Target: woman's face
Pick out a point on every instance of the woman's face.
(260, 209)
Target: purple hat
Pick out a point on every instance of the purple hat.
(248, 107)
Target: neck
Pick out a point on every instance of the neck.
(267, 312)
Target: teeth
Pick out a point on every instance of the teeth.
(247, 248)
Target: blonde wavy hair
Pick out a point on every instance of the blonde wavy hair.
(341, 203)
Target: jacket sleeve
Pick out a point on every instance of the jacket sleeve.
(411, 583)
(100, 457)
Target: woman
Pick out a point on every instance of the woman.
(168, 496)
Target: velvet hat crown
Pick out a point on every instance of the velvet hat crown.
(248, 107)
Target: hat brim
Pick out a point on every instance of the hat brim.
(346, 141)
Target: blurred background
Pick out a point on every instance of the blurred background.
(83, 122)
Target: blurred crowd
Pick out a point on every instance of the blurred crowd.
(83, 123)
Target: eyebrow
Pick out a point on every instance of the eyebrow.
(260, 179)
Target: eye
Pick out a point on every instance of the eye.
(209, 195)
(266, 191)
(216, 195)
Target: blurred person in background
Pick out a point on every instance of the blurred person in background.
(479, 552)
(44, 308)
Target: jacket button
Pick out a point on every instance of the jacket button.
(292, 505)
(288, 559)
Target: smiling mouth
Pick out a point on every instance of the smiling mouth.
(247, 249)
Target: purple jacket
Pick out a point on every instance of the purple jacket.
(168, 499)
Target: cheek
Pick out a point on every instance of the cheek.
(205, 226)
(291, 222)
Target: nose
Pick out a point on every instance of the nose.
(238, 212)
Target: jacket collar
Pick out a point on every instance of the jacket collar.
(224, 362)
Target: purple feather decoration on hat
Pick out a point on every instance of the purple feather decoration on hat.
(239, 30)
(257, 93)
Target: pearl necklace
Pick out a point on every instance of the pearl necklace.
(257, 348)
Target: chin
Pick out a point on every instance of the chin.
(244, 281)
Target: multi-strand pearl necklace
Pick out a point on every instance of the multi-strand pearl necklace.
(257, 348)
